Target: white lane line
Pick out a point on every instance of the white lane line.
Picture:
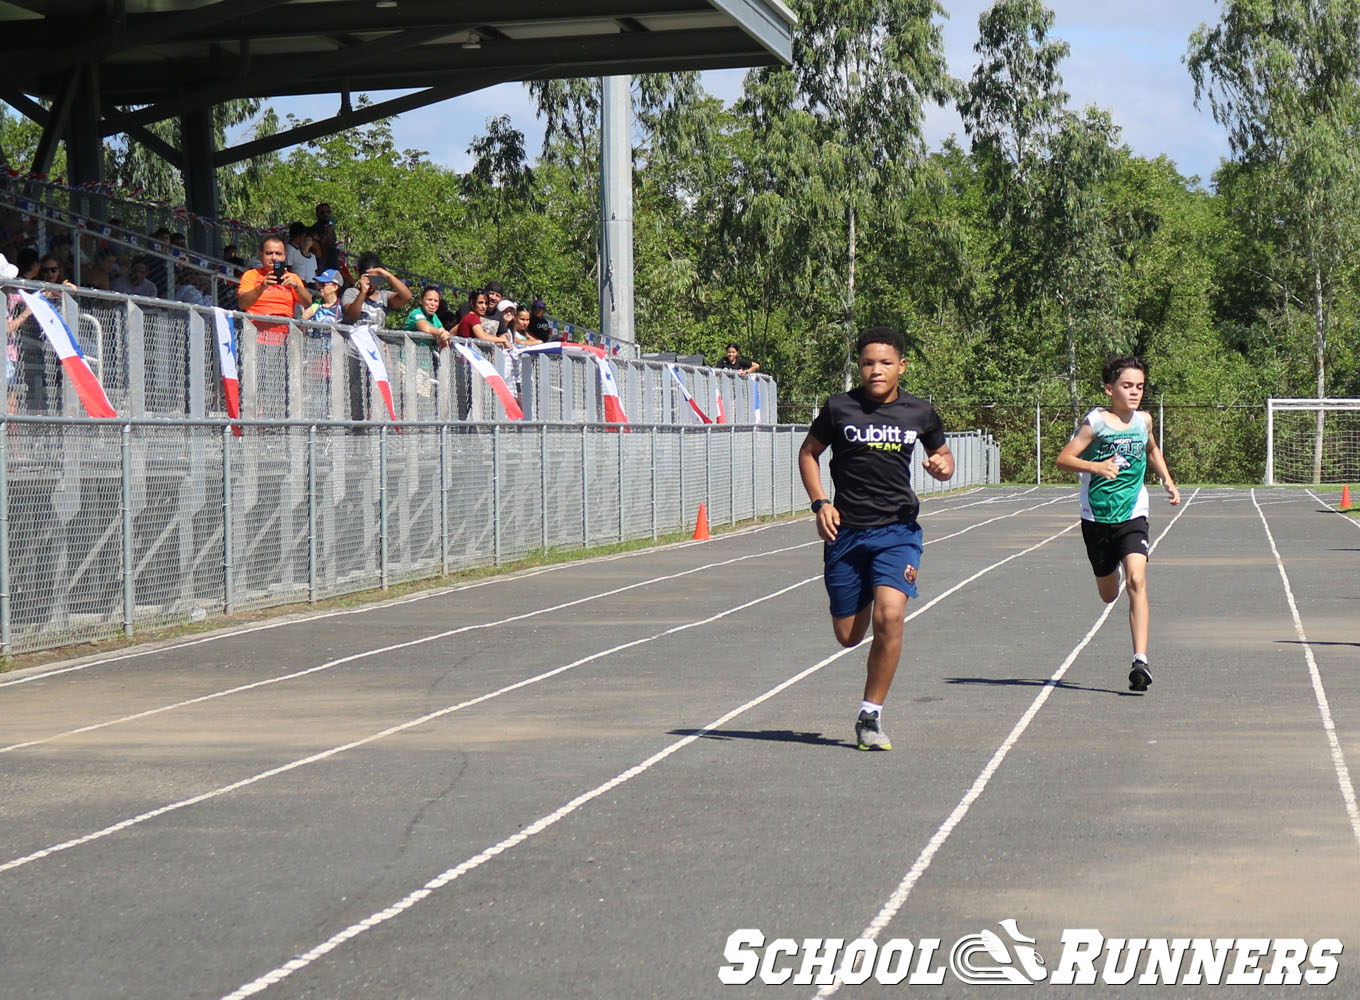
(899, 896)
(1343, 774)
(1336, 510)
(496, 623)
(1002, 517)
(444, 635)
(390, 731)
(303, 617)
(401, 727)
(538, 826)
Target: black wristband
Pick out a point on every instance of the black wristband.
(819, 504)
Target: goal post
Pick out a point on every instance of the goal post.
(1312, 441)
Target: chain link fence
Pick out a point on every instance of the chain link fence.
(1202, 443)
(111, 527)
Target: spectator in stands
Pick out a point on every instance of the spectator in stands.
(491, 319)
(326, 307)
(368, 302)
(27, 263)
(64, 250)
(539, 327)
(232, 255)
(136, 281)
(102, 271)
(734, 361)
(156, 269)
(471, 324)
(52, 271)
(179, 240)
(424, 317)
(523, 327)
(507, 310)
(272, 290)
(328, 246)
(192, 286)
(301, 260)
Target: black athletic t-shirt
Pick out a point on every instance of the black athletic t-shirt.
(871, 446)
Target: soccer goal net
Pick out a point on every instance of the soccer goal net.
(1312, 441)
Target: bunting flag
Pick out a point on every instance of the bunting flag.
(493, 378)
(226, 362)
(755, 387)
(684, 391)
(65, 346)
(367, 345)
(717, 391)
(609, 385)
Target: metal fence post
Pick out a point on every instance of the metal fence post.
(708, 464)
(444, 497)
(496, 495)
(655, 431)
(1038, 444)
(683, 509)
(382, 504)
(731, 474)
(126, 462)
(227, 583)
(620, 461)
(543, 478)
(4, 539)
(585, 492)
(311, 514)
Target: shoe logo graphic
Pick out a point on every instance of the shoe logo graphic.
(1024, 968)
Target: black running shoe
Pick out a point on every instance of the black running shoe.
(1140, 678)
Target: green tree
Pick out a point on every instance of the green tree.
(1283, 78)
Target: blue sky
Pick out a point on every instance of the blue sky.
(1126, 58)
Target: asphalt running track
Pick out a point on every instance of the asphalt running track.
(579, 781)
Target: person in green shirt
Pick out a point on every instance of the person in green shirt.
(1110, 453)
(424, 318)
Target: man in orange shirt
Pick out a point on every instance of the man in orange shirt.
(272, 290)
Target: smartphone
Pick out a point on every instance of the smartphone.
(278, 270)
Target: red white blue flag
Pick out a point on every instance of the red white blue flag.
(226, 362)
(493, 378)
(755, 386)
(609, 385)
(684, 391)
(367, 345)
(73, 361)
(717, 391)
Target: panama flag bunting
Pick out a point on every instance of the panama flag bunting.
(722, 414)
(493, 378)
(684, 391)
(73, 362)
(755, 386)
(609, 384)
(226, 361)
(367, 345)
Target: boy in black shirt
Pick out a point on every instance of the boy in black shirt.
(873, 543)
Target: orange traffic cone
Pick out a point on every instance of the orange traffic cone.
(701, 526)
(1345, 497)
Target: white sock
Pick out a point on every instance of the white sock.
(1140, 657)
(869, 706)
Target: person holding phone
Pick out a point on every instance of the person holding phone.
(272, 290)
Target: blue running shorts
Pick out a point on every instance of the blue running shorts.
(861, 559)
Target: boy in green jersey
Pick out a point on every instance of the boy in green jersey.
(1111, 452)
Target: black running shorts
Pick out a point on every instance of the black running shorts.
(1108, 544)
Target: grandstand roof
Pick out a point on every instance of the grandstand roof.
(158, 59)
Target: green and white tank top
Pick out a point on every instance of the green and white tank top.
(1110, 501)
